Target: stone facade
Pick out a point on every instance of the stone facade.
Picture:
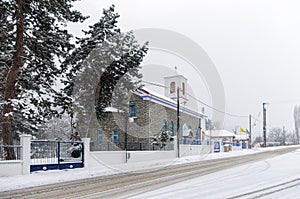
(151, 116)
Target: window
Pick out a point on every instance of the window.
(183, 88)
(164, 126)
(171, 128)
(172, 87)
(132, 109)
(115, 137)
(99, 136)
(197, 133)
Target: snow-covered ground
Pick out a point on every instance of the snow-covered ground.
(284, 169)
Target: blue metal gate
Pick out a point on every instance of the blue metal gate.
(50, 155)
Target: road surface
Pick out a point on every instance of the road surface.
(130, 184)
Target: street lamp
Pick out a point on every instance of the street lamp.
(265, 123)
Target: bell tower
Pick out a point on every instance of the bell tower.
(171, 85)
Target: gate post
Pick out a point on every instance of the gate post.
(25, 141)
(86, 151)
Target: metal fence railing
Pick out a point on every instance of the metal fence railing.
(45, 151)
(190, 141)
(131, 146)
(10, 152)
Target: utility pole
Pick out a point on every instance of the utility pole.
(250, 140)
(125, 138)
(210, 127)
(283, 135)
(200, 129)
(178, 152)
(265, 123)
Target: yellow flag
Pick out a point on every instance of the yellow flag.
(243, 130)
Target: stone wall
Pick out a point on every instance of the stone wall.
(147, 123)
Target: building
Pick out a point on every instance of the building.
(148, 115)
(220, 135)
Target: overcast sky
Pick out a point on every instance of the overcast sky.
(254, 44)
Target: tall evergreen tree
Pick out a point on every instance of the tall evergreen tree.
(105, 57)
(33, 35)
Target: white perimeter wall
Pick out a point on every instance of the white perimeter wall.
(119, 157)
(10, 168)
(18, 167)
(142, 156)
(187, 150)
(95, 158)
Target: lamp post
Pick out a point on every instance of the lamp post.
(178, 152)
(265, 123)
(125, 138)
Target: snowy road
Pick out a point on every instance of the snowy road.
(205, 179)
(272, 178)
(271, 190)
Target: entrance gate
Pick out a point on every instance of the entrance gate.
(50, 155)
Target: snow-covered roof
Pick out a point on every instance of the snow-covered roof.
(220, 133)
(147, 94)
(242, 136)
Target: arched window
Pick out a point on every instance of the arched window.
(183, 88)
(99, 136)
(197, 133)
(115, 137)
(171, 128)
(164, 126)
(132, 109)
(172, 87)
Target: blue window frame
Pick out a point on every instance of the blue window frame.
(165, 126)
(99, 136)
(197, 133)
(115, 137)
(132, 109)
(171, 128)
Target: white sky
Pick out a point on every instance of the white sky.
(254, 44)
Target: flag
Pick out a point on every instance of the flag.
(242, 130)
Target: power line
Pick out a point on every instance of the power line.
(256, 119)
(260, 121)
(226, 113)
(200, 101)
(156, 84)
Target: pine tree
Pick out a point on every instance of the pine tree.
(104, 58)
(33, 35)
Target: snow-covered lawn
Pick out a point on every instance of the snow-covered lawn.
(228, 182)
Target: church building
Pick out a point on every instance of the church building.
(149, 114)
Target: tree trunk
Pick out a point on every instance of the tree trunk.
(9, 94)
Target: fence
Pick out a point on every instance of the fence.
(15, 150)
(19, 158)
(58, 154)
(131, 146)
(55, 154)
(190, 141)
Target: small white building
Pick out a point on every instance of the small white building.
(219, 135)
